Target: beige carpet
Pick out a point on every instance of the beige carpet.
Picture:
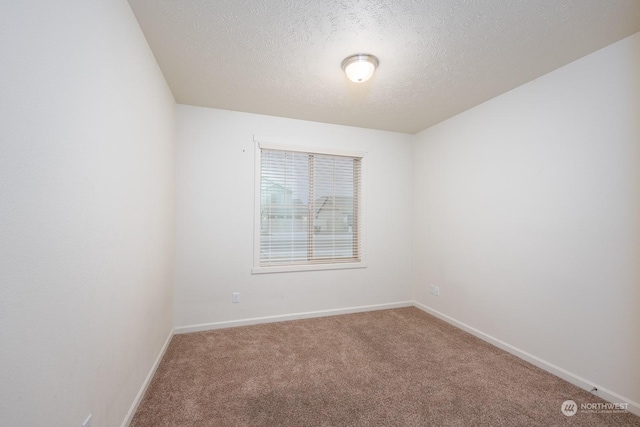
(398, 367)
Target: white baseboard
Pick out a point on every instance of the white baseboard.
(633, 407)
(145, 384)
(286, 317)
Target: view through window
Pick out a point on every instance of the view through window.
(309, 208)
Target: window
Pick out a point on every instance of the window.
(309, 207)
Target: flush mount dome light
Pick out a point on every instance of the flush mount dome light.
(360, 67)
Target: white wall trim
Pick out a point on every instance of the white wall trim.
(287, 317)
(307, 267)
(297, 148)
(147, 381)
(633, 407)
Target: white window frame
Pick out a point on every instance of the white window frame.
(257, 268)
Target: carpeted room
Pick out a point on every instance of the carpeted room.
(397, 367)
(500, 166)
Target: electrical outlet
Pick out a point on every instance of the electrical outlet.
(434, 290)
(87, 422)
(235, 297)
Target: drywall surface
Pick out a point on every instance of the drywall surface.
(527, 214)
(87, 169)
(215, 220)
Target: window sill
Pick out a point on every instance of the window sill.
(312, 267)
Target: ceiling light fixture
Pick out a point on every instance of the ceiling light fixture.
(360, 67)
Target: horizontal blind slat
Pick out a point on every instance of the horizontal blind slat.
(295, 230)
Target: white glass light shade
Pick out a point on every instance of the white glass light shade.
(360, 67)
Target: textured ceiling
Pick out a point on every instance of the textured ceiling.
(437, 57)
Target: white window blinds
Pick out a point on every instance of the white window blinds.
(309, 208)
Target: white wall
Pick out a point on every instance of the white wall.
(525, 211)
(215, 217)
(87, 129)
(527, 214)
